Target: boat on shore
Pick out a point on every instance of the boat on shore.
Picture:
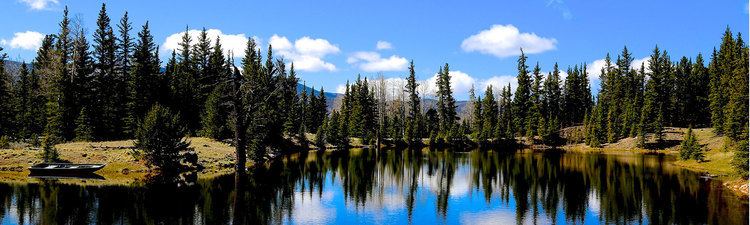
(64, 169)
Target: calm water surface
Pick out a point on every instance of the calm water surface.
(401, 187)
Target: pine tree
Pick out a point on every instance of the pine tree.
(161, 139)
(213, 121)
(689, 148)
(505, 127)
(184, 84)
(535, 112)
(489, 114)
(476, 116)
(608, 104)
(82, 68)
(67, 103)
(84, 127)
(205, 80)
(319, 108)
(411, 134)
(736, 109)
(23, 95)
(551, 98)
(122, 80)
(304, 114)
(698, 87)
(215, 113)
(143, 81)
(6, 100)
(38, 88)
(49, 152)
(332, 129)
(292, 104)
(522, 97)
(716, 97)
(652, 116)
(740, 158)
(634, 115)
(105, 101)
(320, 135)
(446, 103)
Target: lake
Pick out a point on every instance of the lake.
(363, 186)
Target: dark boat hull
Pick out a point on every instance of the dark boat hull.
(64, 169)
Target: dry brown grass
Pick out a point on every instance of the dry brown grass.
(122, 167)
(717, 161)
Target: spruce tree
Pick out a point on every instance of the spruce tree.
(184, 85)
(23, 99)
(736, 109)
(38, 83)
(489, 114)
(652, 116)
(122, 80)
(446, 103)
(740, 158)
(476, 116)
(161, 139)
(292, 105)
(697, 107)
(535, 112)
(689, 148)
(67, 102)
(552, 98)
(522, 97)
(715, 96)
(84, 127)
(82, 68)
(333, 134)
(144, 76)
(105, 101)
(214, 119)
(505, 127)
(6, 100)
(411, 135)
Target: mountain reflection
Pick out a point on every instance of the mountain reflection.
(400, 187)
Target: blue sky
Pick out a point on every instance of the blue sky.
(332, 41)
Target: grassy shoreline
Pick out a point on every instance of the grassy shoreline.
(217, 158)
(717, 162)
(121, 167)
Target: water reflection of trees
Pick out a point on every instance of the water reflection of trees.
(542, 187)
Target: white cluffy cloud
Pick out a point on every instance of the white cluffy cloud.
(28, 40)
(506, 40)
(40, 4)
(373, 62)
(306, 53)
(461, 82)
(383, 45)
(594, 69)
(236, 43)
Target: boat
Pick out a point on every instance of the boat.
(83, 176)
(64, 168)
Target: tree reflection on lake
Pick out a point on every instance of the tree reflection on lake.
(400, 187)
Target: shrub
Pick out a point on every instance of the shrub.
(49, 152)
(84, 128)
(689, 148)
(740, 159)
(161, 138)
(4, 142)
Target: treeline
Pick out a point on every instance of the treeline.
(538, 108)
(74, 90)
